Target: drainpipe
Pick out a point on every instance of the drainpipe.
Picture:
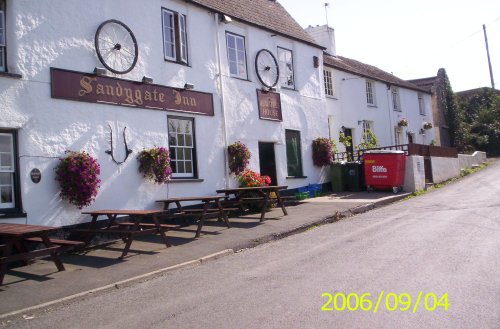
(221, 97)
(391, 128)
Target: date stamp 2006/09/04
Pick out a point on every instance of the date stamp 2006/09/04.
(390, 301)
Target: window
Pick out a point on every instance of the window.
(395, 99)
(2, 36)
(293, 153)
(8, 172)
(285, 60)
(236, 56)
(367, 126)
(182, 147)
(370, 93)
(421, 105)
(397, 135)
(174, 36)
(327, 76)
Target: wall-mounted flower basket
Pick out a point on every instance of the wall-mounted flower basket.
(238, 157)
(78, 176)
(154, 164)
(403, 123)
(322, 151)
(427, 125)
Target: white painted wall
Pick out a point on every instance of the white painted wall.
(349, 108)
(414, 174)
(469, 160)
(46, 33)
(444, 168)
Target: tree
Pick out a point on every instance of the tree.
(480, 128)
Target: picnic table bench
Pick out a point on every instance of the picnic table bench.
(202, 213)
(15, 238)
(135, 227)
(241, 195)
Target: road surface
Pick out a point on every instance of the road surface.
(443, 246)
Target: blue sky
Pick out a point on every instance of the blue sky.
(413, 39)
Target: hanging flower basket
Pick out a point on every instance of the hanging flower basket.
(322, 151)
(403, 122)
(427, 125)
(239, 157)
(78, 176)
(154, 164)
(249, 178)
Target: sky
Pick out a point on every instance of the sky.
(413, 38)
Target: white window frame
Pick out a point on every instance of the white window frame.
(328, 80)
(421, 104)
(285, 61)
(397, 135)
(174, 25)
(178, 150)
(368, 125)
(3, 47)
(396, 101)
(371, 98)
(239, 54)
(8, 170)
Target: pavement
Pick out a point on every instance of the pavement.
(97, 270)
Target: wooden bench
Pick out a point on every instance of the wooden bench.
(65, 244)
(165, 226)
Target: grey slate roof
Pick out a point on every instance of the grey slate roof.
(367, 71)
(266, 14)
(426, 83)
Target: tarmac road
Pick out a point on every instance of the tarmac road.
(444, 242)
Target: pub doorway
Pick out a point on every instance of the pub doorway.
(267, 160)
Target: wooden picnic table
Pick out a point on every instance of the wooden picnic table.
(241, 196)
(207, 202)
(130, 229)
(14, 236)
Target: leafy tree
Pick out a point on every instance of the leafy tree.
(480, 128)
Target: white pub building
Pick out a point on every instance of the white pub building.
(115, 77)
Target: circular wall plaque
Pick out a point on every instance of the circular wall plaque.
(36, 175)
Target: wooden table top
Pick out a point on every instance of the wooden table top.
(193, 198)
(24, 229)
(123, 212)
(253, 188)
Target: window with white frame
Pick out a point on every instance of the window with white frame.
(396, 104)
(182, 147)
(7, 171)
(397, 135)
(367, 126)
(2, 37)
(285, 60)
(236, 55)
(421, 105)
(370, 93)
(328, 78)
(174, 36)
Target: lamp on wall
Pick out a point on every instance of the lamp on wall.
(361, 121)
(343, 128)
(225, 19)
(100, 71)
(146, 79)
(188, 86)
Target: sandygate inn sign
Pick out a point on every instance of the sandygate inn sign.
(91, 88)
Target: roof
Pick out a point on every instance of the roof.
(368, 71)
(265, 14)
(426, 83)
